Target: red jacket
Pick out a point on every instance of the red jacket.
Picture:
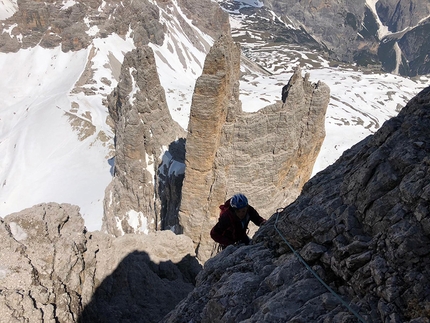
(230, 229)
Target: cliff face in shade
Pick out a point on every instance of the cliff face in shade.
(267, 153)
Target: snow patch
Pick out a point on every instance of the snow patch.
(251, 3)
(119, 225)
(17, 231)
(68, 4)
(135, 87)
(174, 167)
(8, 8)
(150, 166)
(382, 30)
(138, 221)
(3, 272)
(92, 30)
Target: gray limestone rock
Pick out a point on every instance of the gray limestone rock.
(50, 24)
(145, 193)
(143, 126)
(53, 270)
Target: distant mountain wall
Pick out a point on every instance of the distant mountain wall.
(392, 34)
(73, 25)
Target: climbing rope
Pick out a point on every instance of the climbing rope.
(313, 272)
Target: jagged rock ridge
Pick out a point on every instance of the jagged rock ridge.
(362, 224)
(73, 25)
(145, 193)
(53, 270)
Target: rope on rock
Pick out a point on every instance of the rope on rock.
(313, 272)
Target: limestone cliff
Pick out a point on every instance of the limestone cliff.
(53, 23)
(362, 225)
(267, 153)
(145, 193)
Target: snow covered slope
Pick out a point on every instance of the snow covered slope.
(54, 140)
(45, 158)
(7, 8)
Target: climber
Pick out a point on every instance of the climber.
(285, 91)
(233, 221)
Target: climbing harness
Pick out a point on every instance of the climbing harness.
(313, 272)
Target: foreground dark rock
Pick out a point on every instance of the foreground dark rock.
(53, 270)
(363, 225)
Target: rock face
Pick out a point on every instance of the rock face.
(144, 133)
(327, 22)
(351, 32)
(53, 270)
(362, 225)
(400, 15)
(268, 153)
(52, 23)
(145, 193)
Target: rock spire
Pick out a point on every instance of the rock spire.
(145, 141)
(267, 153)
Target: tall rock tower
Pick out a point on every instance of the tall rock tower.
(267, 155)
(215, 101)
(145, 141)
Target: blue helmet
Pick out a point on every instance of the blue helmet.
(238, 201)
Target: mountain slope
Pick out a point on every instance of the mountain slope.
(54, 137)
(53, 127)
(361, 99)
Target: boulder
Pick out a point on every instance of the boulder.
(53, 270)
